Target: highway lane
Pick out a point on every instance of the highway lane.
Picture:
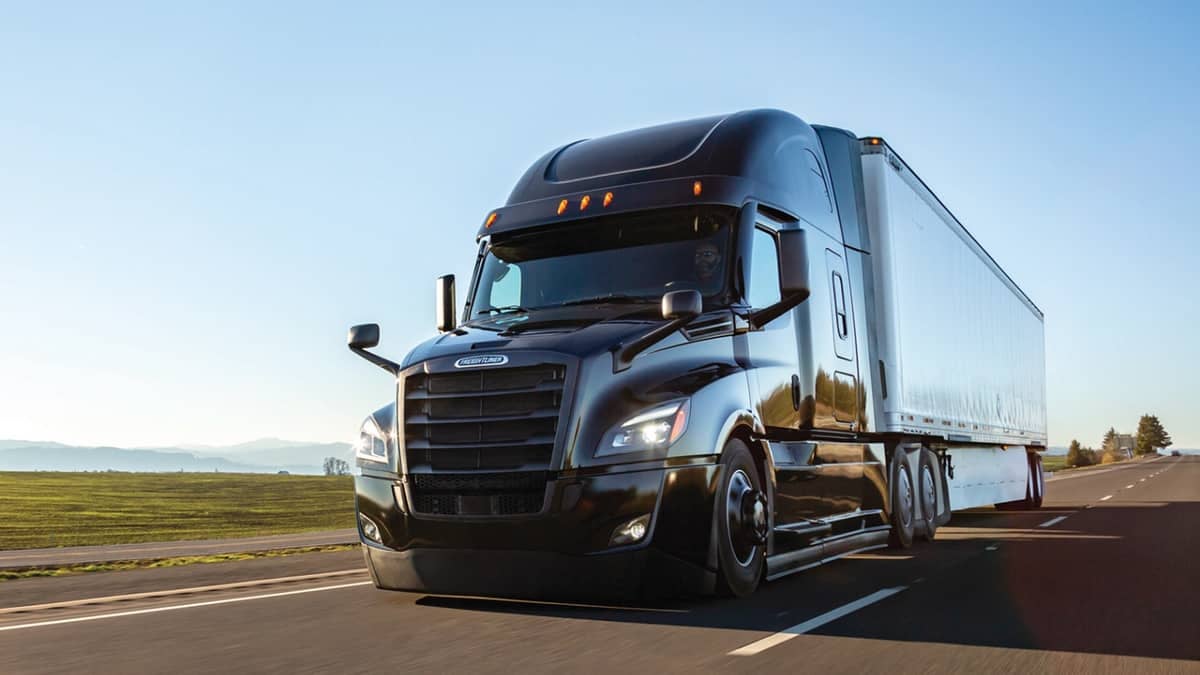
(1104, 577)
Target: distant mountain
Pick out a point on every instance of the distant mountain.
(292, 452)
(257, 444)
(261, 457)
(5, 445)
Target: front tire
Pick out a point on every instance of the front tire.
(741, 522)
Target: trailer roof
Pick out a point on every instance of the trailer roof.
(876, 144)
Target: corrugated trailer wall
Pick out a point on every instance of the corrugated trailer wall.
(963, 347)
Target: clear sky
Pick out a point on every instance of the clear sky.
(197, 199)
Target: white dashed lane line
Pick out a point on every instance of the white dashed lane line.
(1054, 521)
(814, 623)
(1106, 498)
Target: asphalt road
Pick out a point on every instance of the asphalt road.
(1104, 578)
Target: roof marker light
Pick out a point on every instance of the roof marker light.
(873, 141)
(491, 219)
(607, 199)
(583, 203)
(697, 188)
(562, 207)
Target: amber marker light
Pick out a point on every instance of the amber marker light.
(491, 219)
(873, 141)
(562, 207)
(583, 203)
(607, 199)
(697, 188)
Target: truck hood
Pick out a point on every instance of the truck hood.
(578, 331)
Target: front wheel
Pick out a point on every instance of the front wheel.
(741, 522)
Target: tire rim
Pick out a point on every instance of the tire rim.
(928, 493)
(905, 491)
(741, 493)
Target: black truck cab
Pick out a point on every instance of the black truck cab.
(659, 381)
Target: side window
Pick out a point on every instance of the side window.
(506, 287)
(764, 270)
(817, 185)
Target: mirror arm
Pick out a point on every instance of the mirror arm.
(388, 365)
(769, 313)
(623, 353)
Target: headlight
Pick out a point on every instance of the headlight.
(653, 429)
(372, 444)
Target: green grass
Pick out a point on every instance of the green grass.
(1054, 462)
(45, 509)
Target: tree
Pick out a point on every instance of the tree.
(1151, 435)
(1110, 440)
(336, 467)
(1077, 456)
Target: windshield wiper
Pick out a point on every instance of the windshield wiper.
(614, 298)
(507, 309)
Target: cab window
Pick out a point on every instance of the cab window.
(764, 270)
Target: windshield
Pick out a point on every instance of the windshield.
(627, 258)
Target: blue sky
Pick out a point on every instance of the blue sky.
(196, 199)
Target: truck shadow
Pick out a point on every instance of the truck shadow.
(1114, 579)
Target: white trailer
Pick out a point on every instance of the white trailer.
(960, 347)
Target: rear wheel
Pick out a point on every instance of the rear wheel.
(1038, 480)
(1035, 485)
(904, 499)
(741, 522)
(927, 493)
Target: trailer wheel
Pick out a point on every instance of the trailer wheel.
(1034, 486)
(741, 522)
(1039, 480)
(927, 493)
(903, 502)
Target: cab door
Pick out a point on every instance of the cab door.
(774, 363)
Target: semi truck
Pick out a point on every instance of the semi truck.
(696, 357)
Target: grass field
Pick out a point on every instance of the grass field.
(75, 509)
(1054, 462)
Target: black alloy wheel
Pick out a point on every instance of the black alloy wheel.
(742, 522)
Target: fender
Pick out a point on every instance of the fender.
(747, 419)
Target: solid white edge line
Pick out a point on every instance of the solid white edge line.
(250, 583)
(1053, 521)
(1106, 498)
(190, 605)
(815, 622)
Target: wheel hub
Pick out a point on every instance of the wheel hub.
(746, 511)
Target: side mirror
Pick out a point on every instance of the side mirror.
(793, 278)
(682, 305)
(445, 304)
(793, 263)
(363, 336)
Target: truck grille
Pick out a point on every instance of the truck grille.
(480, 442)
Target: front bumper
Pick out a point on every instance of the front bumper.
(563, 551)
